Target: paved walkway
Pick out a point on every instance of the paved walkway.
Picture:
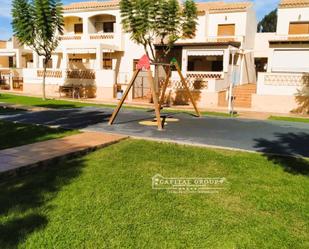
(21, 158)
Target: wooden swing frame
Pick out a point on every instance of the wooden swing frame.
(158, 101)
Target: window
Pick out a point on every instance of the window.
(49, 63)
(108, 27)
(78, 28)
(236, 58)
(226, 29)
(205, 63)
(107, 63)
(135, 62)
(261, 64)
(297, 28)
(11, 61)
(76, 60)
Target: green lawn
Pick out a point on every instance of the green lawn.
(105, 200)
(49, 103)
(16, 134)
(290, 119)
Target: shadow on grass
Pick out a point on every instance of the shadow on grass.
(14, 134)
(10, 111)
(21, 200)
(38, 102)
(57, 106)
(287, 151)
(70, 119)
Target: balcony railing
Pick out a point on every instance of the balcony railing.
(101, 36)
(285, 79)
(287, 38)
(205, 75)
(107, 36)
(70, 37)
(213, 39)
(225, 39)
(80, 74)
(50, 73)
(69, 74)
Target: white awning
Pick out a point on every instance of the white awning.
(82, 51)
(205, 52)
(290, 60)
(7, 54)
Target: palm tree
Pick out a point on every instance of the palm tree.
(163, 21)
(37, 24)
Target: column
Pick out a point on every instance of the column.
(65, 60)
(226, 60)
(41, 62)
(54, 59)
(99, 58)
(242, 67)
(18, 59)
(35, 60)
(85, 26)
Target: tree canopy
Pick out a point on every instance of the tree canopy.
(158, 21)
(37, 24)
(268, 23)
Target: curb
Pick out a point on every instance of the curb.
(24, 170)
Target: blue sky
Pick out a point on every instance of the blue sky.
(262, 7)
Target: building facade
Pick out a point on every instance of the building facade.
(285, 82)
(97, 55)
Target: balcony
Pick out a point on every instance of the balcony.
(96, 30)
(214, 39)
(290, 38)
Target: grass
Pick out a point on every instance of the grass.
(17, 134)
(38, 102)
(105, 200)
(289, 119)
(62, 104)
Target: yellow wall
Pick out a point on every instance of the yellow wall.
(4, 61)
(2, 44)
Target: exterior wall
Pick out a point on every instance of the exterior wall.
(4, 61)
(279, 92)
(274, 103)
(284, 84)
(261, 48)
(288, 47)
(2, 44)
(269, 97)
(201, 30)
(251, 27)
(285, 16)
(237, 18)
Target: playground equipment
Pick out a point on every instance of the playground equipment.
(144, 64)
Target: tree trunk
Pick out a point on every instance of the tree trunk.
(44, 77)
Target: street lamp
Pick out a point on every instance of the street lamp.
(230, 107)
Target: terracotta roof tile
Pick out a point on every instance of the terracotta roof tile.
(294, 3)
(91, 5)
(202, 6)
(223, 6)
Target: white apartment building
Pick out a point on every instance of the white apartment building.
(98, 55)
(286, 54)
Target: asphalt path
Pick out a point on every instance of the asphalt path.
(286, 138)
